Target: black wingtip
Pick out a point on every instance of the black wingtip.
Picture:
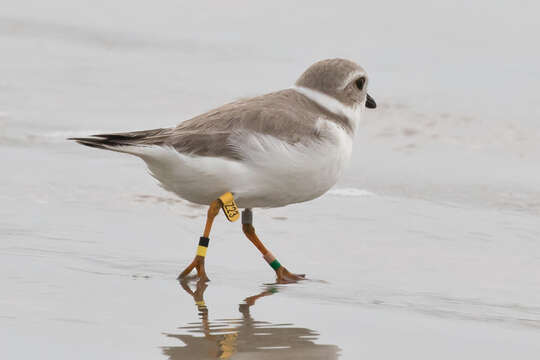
(91, 142)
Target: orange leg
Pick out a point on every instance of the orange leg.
(198, 261)
(283, 275)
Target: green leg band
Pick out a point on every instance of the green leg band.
(275, 264)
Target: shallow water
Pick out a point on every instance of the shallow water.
(428, 247)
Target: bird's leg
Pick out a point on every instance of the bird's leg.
(226, 202)
(198, 261)
(283, 275)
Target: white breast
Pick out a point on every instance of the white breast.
(281, 173)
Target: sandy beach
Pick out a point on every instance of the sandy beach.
(429, 247)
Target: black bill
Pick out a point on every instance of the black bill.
(370, 102)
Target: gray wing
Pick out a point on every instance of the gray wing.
(286, 115)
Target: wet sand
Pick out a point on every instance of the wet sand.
(427, 248)
(89, 270)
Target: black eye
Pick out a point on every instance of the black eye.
(360, 83)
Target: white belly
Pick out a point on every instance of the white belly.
(274, 173)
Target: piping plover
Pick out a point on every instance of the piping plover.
(285, 147)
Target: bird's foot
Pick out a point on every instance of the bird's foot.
(198, 264)
(286, 277)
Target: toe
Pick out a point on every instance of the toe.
(285, 277)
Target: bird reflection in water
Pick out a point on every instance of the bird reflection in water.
(244, 337)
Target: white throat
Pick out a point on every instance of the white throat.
(353, 113)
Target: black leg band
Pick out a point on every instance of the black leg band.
(203, 241)
(247, 217)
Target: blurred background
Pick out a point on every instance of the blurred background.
(438, 212)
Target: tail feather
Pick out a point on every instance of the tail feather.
(91, 142)
(123, 142)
